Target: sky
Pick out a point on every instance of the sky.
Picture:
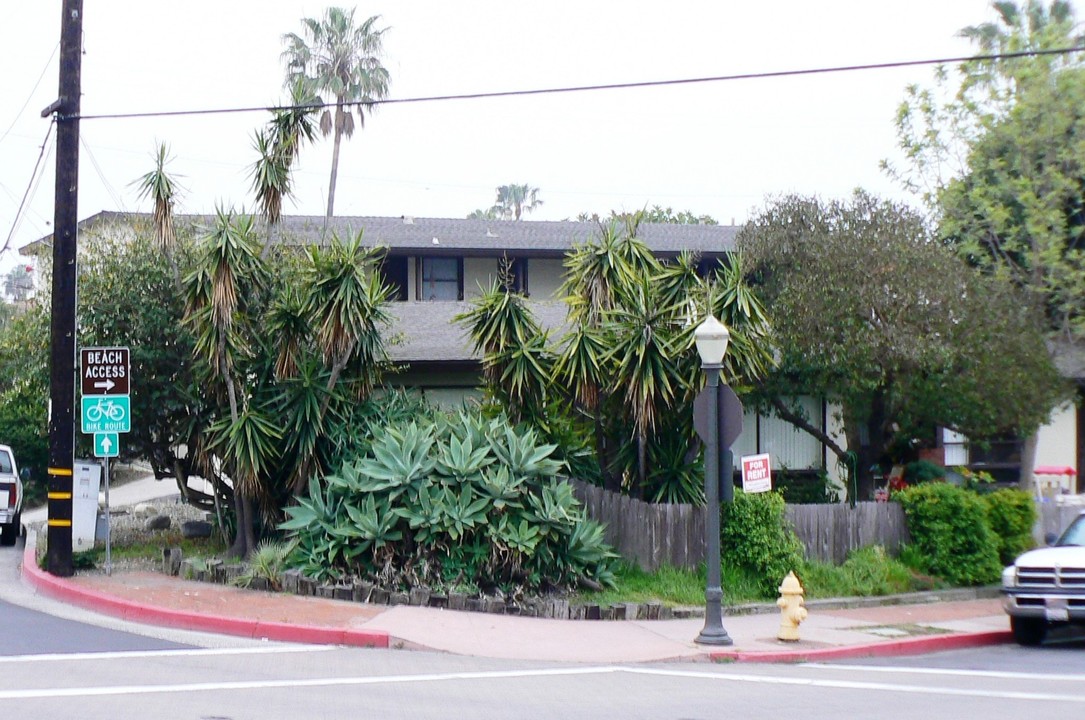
(722, 149)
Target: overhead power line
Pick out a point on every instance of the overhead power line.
(29, 186)
(593, 88)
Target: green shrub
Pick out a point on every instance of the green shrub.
(755, 536)
(1011, 513)
(951, 537)
(466, 502)
(868, 571)
(922, 471)
(24, 427)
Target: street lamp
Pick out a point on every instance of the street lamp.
(711, 337)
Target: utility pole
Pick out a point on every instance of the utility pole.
(62, 323)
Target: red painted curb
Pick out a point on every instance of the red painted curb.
(908, 646)
(61, 589)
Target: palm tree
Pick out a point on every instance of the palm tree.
(1023, 28)
(516, 363)
(1027, 27)
(227, 272)
(514, 200)
(161, 187)
(278, 146)
(344, 302)
(335, 58)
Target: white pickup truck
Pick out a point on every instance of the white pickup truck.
(11, 498)
(1045, 588)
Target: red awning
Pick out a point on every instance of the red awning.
(1054, 470)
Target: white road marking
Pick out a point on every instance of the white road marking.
(445, 677)
(194, 652)
(904, 670)
(855, 685)
(271, 684)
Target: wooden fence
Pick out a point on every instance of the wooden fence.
(656, 534)
(831, 531)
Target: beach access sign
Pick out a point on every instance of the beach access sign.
(756, 474)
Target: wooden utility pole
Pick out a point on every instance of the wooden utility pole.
(62, 323)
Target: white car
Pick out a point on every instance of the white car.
(11, 498)
(1045, 588)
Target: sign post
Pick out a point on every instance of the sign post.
(106, 410)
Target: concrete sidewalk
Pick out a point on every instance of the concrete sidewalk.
(922, 623)
(830, 632)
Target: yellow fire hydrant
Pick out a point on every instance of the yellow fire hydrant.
(791, 610)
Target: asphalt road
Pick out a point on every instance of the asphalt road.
(284, 682)
(64, 662)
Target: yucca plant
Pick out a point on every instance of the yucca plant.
(267, 563)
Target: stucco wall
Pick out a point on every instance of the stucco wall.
(1057, 440)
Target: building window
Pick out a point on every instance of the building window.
(440, 278)
(394, 275)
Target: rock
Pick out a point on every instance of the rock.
(143, 509)
(195, 529)
(158, 522)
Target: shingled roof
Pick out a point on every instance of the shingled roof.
(426, 331)
(465, 237)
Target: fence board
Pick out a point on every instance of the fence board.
(651, 535)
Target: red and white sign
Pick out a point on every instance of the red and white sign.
(756, 474)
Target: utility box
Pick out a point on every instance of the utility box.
(86, 481)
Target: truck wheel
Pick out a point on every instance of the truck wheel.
(1028, 631)
(10, 532)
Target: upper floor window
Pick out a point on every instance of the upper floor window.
(394, 274)
(440, 278)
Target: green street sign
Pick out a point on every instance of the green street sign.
(106, 445)
(106, 414)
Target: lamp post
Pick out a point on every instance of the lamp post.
(711, 337)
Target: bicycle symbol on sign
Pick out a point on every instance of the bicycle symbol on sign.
(105, 410)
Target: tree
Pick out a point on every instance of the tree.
(19, 282)
(161, 187)
(221, 290)
(625, 373)
(335, 58)
(515, 200)
(658, 214)
(872, 313)
(1002, 163)
(128, 297)
(278, 146)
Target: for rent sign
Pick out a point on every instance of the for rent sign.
(756, 474)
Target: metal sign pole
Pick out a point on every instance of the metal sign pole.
(108, 521)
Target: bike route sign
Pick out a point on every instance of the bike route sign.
(106, 414)
(106, 445)
(106, 407)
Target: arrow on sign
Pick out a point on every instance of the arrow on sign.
(106, 444)
(106, 385)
